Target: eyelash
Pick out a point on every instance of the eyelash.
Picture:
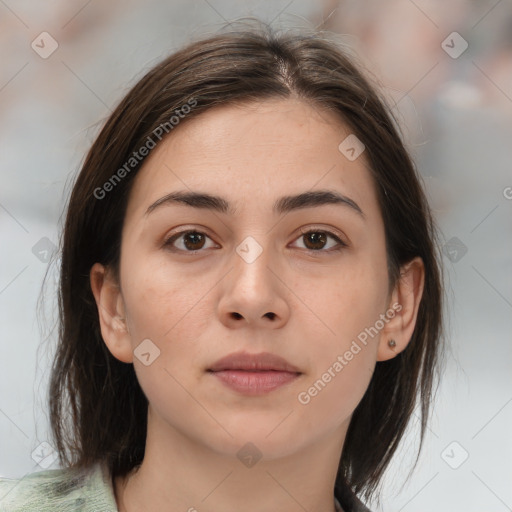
(341, 245)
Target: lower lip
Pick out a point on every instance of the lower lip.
(255, 383)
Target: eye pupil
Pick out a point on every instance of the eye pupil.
(317, 238)
(193, 238)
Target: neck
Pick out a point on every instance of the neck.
(180, 473)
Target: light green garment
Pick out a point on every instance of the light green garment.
(62, 490)
(59, 490)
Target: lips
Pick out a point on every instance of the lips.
(245, 361)
(254, 374)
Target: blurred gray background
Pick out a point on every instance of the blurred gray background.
(447, 68)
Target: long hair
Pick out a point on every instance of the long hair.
(98, 412)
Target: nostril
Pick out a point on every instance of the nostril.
(236, 315)
(270, 315)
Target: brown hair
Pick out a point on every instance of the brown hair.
(98, 411)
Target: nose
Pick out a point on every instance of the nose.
(253, 294)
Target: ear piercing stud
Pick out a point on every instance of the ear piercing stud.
(392, 343)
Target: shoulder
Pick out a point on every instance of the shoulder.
(59, 490)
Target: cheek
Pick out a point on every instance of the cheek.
(347, 300)
(159, 299)
(165, 307)
(171, 309)
(348, 304)
(331, 398)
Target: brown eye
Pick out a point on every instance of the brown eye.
(193, 240)
(316, 240)
(188, 241)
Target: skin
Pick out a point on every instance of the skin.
(183, 302)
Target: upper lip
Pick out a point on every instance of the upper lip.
(257, 362)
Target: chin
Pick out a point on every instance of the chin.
(266, 434)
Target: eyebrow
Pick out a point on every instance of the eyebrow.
(284, 204)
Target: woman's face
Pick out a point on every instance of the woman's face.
(247, 279)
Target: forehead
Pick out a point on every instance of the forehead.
(253, 153)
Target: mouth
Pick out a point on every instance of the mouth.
(254, 374)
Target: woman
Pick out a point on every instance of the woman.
(250, 295)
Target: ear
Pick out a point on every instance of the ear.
(402, 309)
(111, 311)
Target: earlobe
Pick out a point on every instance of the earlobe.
(405, 301)
(111, 313)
